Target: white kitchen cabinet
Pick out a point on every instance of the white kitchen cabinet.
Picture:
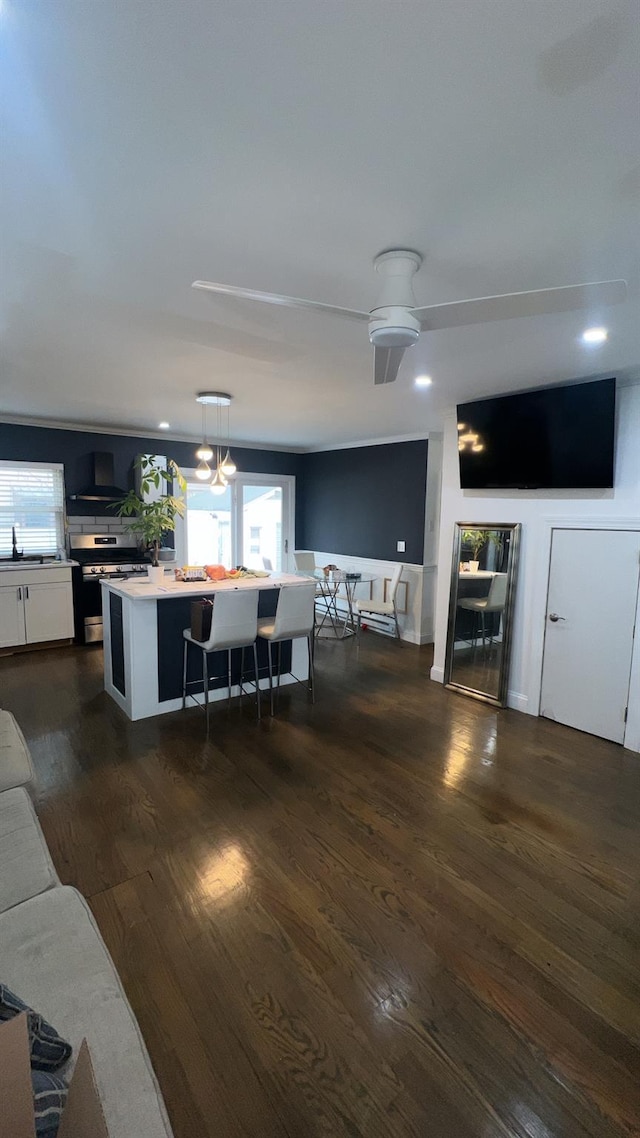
(48, 612)
(12, 625)
(36, 605)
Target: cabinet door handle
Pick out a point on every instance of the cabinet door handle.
(26, 592)
(20, 593)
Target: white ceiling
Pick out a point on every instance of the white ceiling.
(280, 146)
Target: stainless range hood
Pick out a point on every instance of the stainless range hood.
(102, 489)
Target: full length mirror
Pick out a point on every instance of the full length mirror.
(483, 578)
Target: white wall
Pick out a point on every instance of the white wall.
(538, 511)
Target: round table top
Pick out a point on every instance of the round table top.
(337, 576)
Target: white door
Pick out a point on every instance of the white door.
(591, 606)
(12, 630)
(48, 612)
(263, 522)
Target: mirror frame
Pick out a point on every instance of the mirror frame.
(512, 571)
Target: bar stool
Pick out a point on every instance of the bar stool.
(234, 624)
(294, 619)
(494, 601)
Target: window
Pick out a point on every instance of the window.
(254, 532)
(32, 500)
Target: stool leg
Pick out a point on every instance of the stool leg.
(205, 681)
(311, 672)
(279, 670)
(395, 617)
(229, 676)
(184, 676)
(269, 656)
(257, 677)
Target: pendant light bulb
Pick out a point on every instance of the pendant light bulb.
(204, 452)
(228, 466)
(203, 471)
(218, 486)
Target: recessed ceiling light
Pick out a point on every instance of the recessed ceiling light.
(423, 381)
(595, 335)
(163, 426)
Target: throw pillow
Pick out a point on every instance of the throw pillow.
(48, 1050)
(49, 1097)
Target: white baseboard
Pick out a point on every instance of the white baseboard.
(413, 638)
(437, 674)
(518, 702)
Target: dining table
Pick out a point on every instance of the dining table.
(331, 623)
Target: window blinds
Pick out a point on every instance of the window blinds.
(32, 500)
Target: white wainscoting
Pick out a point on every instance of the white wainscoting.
(417, 623)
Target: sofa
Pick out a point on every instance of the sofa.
(53, 957)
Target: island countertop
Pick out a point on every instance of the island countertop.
(137, 590)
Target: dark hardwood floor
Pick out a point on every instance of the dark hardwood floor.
(396, 913)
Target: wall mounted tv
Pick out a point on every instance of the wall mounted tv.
(557, 438)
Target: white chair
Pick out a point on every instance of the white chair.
(305, 561)
(267, 564)
(382, 608)
(494, 601)
(294, 619)
(325, 593)
(234, 624)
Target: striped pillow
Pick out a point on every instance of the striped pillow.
(49, 1097)
(48, 1050)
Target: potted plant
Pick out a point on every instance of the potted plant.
(152, 518)
(477, 538)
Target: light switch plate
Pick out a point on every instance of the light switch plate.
(401, 546)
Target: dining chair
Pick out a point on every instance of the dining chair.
(494, 601)
(386, 608)
(294, 619)
(234, 624)
(305, 561)
(267, 564)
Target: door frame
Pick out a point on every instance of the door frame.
(247, 478)
(538, 611)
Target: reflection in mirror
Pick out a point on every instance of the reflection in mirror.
(481, 609)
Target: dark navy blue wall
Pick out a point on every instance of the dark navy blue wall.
(361, 500)
(74, 449)
(358, 501)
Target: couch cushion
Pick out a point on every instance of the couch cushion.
(52, 954)
(25, 865)
(16, 768)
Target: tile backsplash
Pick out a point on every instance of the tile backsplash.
(78, 523)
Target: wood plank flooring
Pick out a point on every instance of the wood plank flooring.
(396, 913)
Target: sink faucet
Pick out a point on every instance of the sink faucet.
(15, 555)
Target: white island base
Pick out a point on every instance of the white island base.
(143, 643)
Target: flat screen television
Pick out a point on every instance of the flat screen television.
(557, 438)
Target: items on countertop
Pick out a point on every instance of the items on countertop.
(216, 573)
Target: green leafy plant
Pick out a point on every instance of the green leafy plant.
(478, 538)
(152, 519)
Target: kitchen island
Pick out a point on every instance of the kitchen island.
(143, 642)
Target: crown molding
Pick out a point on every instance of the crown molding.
(130, 432)
(416, 436)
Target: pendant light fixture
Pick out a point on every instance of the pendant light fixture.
(228, 466)
(225, 467)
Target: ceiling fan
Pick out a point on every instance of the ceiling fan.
(395, 323)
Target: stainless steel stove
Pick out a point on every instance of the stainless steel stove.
(100, 556)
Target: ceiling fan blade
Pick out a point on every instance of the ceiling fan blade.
(283, 301)
(386, 362)
(541, 302)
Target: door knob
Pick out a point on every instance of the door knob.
(555, 618)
